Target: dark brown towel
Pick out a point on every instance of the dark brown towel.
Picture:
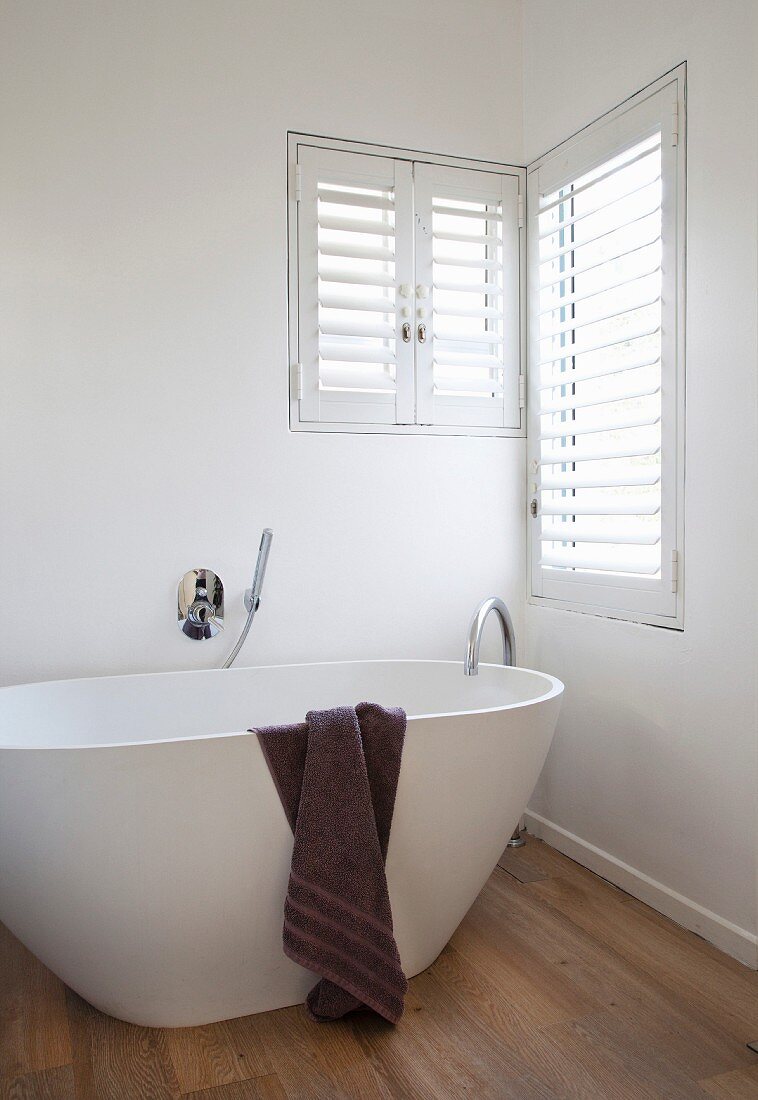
(336, 775)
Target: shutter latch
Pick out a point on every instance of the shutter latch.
(533, 508)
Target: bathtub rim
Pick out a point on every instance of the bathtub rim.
(556, 688)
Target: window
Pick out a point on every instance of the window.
(606, 392)
(404, 292)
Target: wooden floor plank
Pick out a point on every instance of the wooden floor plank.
(318, 1061)
(258, 1088)
(45, 1084)
(33, 1023)
(443, 1052)
(664, 951)
(216, 1054)
(740, 1084)
(520, 866)
(556, 984)
(508, 914)
(114, 1060)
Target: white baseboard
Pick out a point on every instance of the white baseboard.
(735, 941)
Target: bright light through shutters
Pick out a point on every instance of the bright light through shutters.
(356, 288)
(405, 275)
(600, 367)
(467, 268)
(354, 250)
(605, 249)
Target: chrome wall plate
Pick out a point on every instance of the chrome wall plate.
(200, 604)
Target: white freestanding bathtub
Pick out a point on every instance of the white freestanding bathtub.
(144, 853)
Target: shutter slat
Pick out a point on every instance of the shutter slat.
(628, 475)
(570, 350)
(550, 278)
(492, 364)
(485, 313)
(342, 378)
(571, 299)
(355, 278)
(355, 353)
(468, 337)
(466, 238)
(574, 246)
(355, 225)
(587, 402)
(583, 187)
(380, 329)
(567, 559)
(639, 448)
(557, 227)
(468, 288)
(460, 212)
(618, 506)
(637, 535)
(569, 428)
(457, 261)
(572, 377)
(350, 198)
(370, 305)
(356, 251)
(576, 326)
(445, 358)
(471, 385)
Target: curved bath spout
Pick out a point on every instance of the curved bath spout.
(471, 659)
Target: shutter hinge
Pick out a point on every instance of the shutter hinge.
(674, 570)
(675, 123)
(297, 380)
(522, 391)
(521, 211)
(298, 182)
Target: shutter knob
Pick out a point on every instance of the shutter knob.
(422, 291)
(405, 290)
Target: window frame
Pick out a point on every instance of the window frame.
(294, 141)
(589, 147)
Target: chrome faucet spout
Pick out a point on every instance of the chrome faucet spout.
(479, 618)
(471, 660)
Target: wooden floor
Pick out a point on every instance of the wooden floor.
(555, 985)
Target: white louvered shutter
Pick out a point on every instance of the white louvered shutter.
(604, 445)
(355, 248)
(467, 297)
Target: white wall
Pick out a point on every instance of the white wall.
(654, 761)
(144, 357)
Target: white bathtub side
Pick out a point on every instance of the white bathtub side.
(151, 878)
(464, 783)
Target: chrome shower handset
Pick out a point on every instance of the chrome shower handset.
(253, 595)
